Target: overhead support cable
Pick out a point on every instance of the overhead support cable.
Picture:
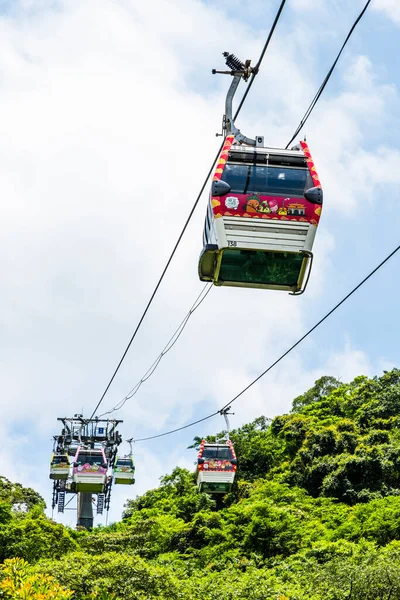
(265, 47)
(169, 345)
(278, 360)
(258, 64)
(327, 77)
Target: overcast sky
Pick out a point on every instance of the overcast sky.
(108, 115)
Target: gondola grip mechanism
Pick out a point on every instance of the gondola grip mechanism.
(225, 412)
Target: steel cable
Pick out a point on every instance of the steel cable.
(327, 77)
(283, 2)
(278, 360)
(169, 345)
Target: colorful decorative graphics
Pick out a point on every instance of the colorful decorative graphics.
(216, 462)
(124, 469)
(273, 205)
(259, 205)
(218, 465)
(310, 164)
(90, 468)
(253, 203)
(231, 202)
(295, 209)
(264, 207)
(223, 157)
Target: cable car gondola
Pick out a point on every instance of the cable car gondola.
(216, 463)
(263, 211)
(89, 470)
(124, 470)
(216, 467)
(59, 466)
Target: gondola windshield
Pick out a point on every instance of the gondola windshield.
(89, 459)
(244, 179)
(218, 452)
(60, 460)
(124, 462)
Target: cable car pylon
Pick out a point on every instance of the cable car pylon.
(93, 444)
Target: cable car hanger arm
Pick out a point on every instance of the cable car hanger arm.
(225, 412)
(238, 71)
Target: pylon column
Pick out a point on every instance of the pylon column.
(85, 510)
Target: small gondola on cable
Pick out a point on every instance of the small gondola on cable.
(59, 466)
(124, 468)
(263, 211)
(89, 470)
(216, 464)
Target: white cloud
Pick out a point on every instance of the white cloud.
(307, 5)
(390, 8)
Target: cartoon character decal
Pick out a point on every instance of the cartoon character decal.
(88, 468)
(264, 207)
(273, 204)
(123, 469)
(232, 202)
(295, 209)
(252, 205)
(212, 464)
(92, 465)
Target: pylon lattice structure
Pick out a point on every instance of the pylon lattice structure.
(93, 444)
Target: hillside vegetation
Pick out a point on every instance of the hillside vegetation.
(314, 514)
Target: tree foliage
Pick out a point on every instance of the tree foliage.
(19, 583)
(314, 514)
(33, 536)
(19, 497)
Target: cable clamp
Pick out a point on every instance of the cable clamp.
(237, 67)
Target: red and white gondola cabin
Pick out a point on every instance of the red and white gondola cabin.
(216, 467)
(263, 213)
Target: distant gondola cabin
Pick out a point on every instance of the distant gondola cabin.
(124, 470)
(216, 467)
(89, 470)
(59, 466)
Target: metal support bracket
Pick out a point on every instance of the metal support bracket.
(130, 446)
(225, 412)
(238, 71)
(311, 256)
